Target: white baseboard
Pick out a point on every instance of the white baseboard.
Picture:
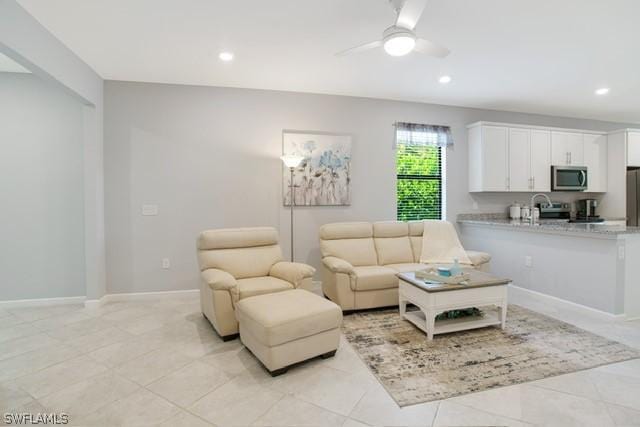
(40, 302)
(518, 295)
(93, 303)
(136, 296)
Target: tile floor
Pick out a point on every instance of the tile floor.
(158, 362)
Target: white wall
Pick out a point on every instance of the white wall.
(27, 42)
(209, 158)
(41, 188)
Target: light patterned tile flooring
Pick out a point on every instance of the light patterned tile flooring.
(158, 362)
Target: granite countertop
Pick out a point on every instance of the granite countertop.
(547, 226)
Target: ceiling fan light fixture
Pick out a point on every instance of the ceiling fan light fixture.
(226, 56)
(399, 44)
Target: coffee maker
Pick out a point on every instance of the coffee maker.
(587, 211)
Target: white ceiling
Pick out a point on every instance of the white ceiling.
(537, 56)
(8, 65)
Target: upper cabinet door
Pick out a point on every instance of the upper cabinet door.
(633, 149)
(541, 160)
(575, 147)
(567, 149)
(520, 178)
(494, 158)
(559, 151)
(595, 159)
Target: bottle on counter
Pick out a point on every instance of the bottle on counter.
(525, 212)
(514, 211)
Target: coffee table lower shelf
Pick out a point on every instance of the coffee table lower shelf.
(491, 317)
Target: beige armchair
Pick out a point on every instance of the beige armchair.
(238, 263)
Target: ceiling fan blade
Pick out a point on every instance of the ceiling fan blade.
(360, 48)
(410, 13)
(430, 48)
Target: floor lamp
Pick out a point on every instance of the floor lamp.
(292, 161)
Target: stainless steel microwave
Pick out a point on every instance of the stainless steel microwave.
(569, 178)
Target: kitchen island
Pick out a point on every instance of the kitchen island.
(593, 265)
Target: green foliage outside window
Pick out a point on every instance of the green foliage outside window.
(419, 182)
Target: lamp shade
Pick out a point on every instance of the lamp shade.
(291, 160)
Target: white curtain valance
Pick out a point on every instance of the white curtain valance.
(420, 134)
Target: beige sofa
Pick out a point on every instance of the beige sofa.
(238, 263)
(360, 261)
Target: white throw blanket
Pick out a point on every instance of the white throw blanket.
(440, 244)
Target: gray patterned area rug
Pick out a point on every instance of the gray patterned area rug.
(532, 347)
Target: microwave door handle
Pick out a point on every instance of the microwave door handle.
(583, 179)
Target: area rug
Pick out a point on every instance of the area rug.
(532, 347)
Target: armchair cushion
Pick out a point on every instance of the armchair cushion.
(338, 265)
(292, 272)
(261, 285)
(373, 278)
(219, 280)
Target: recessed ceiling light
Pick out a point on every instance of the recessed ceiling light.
(226, 56)
(444, 79)
(602, 91)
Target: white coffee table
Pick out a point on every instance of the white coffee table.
(482, 291)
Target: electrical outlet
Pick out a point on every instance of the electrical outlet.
(620, 252)
(528, 261)
(475, 206)
(166, 264)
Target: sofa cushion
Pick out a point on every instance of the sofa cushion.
(406, 267)
(392, 242)
(416, 229)
(275, 319)
(261, 285)
(390, 229)
(350, 241)
(373, 277)
(346, 230)
(393, 250)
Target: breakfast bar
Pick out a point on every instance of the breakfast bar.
(593, 265)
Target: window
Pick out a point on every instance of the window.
(419, 169)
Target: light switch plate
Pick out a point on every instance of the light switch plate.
(149, 210)
(528, 261)
(166, 264)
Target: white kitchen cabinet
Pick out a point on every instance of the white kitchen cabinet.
(540, 160)
(567, 148)
(509, 159)
(518, 158)
(519, 178)
(595, 159)
(488, 158)
(633, 149)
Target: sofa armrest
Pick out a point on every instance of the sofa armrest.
(219, 280)
(292, 272)
(478, 258)
(338, 265)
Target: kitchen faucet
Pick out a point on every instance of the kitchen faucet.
(532, 219)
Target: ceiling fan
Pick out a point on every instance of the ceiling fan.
(399, 39)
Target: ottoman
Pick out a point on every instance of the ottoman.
(287, 327)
